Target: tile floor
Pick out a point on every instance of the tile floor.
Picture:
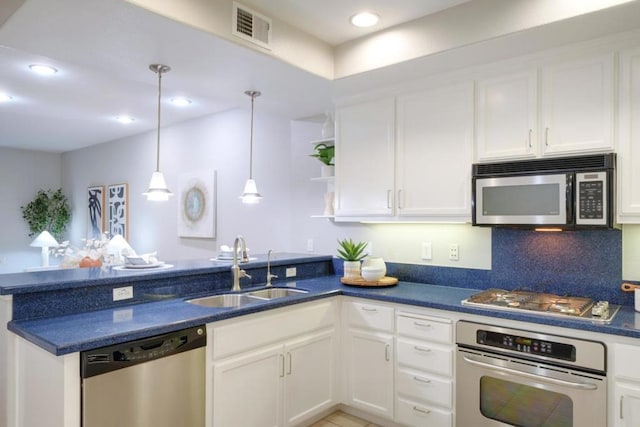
(342, 419)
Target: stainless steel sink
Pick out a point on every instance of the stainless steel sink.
(271, 293)
(224, 300)
(240, 299)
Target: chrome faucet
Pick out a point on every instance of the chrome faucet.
(236, 271)
(269, 275)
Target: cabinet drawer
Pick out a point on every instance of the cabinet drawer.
(419, 415)
(425, 388)
(425, 356)
(426, 328)
(370, 316)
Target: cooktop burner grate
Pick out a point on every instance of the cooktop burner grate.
(542, 303)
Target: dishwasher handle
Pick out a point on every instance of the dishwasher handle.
(118, 356)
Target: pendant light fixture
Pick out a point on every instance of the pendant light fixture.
(250, 194)
(158, 191)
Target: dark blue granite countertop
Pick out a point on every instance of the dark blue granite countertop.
(77, 332)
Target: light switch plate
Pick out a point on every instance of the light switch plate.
(291, 272)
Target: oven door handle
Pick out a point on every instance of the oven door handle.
(580, 386)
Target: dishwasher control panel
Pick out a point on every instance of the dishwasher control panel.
(118, 356)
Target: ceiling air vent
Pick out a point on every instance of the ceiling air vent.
(251, 26)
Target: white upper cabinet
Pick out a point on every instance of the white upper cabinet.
(506, 119)
(577, 106)
(423, 171)
(629, 138)
(434, 153)
(365, 159)
(569, 110)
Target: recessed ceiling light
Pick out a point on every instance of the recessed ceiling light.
(180, 101)
(5, 97)
(125, 119)
(44, 70)
(365, 19)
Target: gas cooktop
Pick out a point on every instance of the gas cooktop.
(546, 304)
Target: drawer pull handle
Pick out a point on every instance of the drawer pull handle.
(425, 350)
(386, 353)
(422, 380)
(424, 325)
(369, 309)
(422, 411)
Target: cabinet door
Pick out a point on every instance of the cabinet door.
(629, 142)
(627, 411)
(310, 380)
(247, 389)
(433, 163)
(577, 106)
(365, 159)
(506, 116)
(369, 371)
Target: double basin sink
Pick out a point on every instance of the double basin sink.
(240, 299)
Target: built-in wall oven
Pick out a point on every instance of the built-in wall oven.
(509, 377)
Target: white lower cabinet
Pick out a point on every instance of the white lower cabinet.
(369, 371)
(424, 370)
(288, 379)
(626, 388)
(368, 356)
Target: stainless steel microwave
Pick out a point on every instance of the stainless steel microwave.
(567, 193)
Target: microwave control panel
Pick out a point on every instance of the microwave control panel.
(591, 195)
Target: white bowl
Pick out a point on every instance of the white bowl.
(372, 274)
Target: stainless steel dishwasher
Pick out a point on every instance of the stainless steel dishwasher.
(157, 381)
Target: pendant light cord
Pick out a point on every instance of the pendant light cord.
(252, 94)
(159, 98)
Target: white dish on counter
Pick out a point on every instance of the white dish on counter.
(159, 264)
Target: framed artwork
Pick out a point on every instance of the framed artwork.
(95, 212)
(197, 204)
(119, 210)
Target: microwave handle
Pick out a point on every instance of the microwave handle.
(580, 386)
(570, 198)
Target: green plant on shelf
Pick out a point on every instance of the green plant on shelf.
(324, 153)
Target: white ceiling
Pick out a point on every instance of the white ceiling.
(328, 20)
(103, 48)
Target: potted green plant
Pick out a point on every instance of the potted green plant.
(48, 211)
(325, 153)
(352, 253)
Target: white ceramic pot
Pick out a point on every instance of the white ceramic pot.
(352, 269)
(636, 293)
(372, 274)
(376, 263)
(327, 170)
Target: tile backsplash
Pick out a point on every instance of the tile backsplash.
(585, 263)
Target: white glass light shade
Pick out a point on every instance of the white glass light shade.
(250, 194)
(45, 241)
(158, 191)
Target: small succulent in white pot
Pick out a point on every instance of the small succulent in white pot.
(352, 253)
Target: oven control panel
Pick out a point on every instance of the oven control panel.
(523, 344)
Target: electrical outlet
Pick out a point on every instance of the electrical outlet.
(309, 245)
(125, 292)
(290, 272)
(453, 252)
(426, 251)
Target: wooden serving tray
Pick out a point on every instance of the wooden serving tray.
(385, 281)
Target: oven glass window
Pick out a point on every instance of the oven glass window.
(524, 406)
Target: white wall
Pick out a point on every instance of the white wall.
(22, 174)
(219, 142)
